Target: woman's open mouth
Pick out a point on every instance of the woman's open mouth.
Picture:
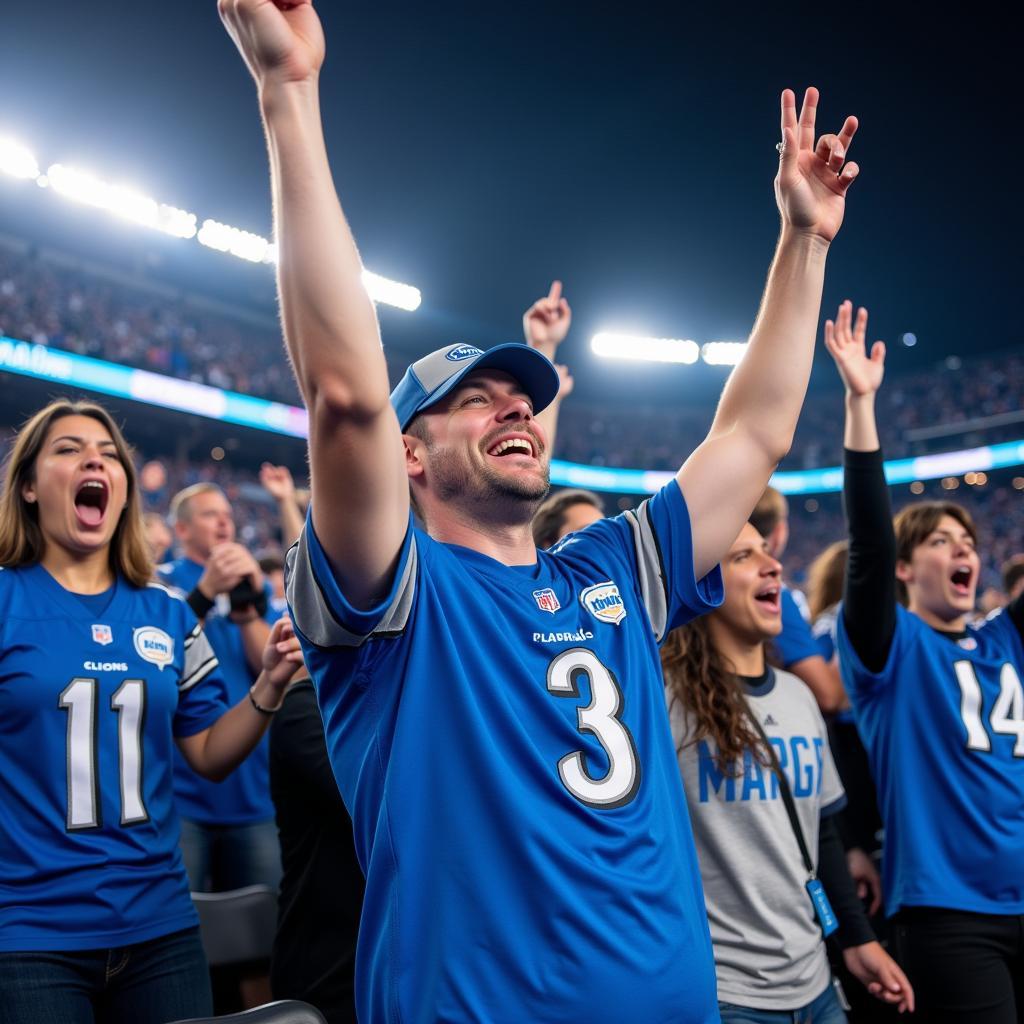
(91, 503)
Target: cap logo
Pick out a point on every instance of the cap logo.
(457, 355)
(604, 602)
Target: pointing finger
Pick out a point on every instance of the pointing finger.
(808, 115)
(556, 291)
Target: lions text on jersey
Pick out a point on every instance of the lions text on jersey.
(91, 699)
(499, 735)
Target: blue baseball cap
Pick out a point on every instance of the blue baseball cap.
(429, 379)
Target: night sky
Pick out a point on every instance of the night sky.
(629, 149)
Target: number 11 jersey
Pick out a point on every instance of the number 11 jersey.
(90, 703)
(499, 735)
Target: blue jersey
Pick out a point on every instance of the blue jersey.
(244, 796)
(795, 642)
(943, 725)
(90, 705)
(500, 738)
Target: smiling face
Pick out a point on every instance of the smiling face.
(751, 612)
(479, 444)
(941, 575)
(79, 485)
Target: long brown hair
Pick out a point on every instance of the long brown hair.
(21, 539)
(825, 578)
(705, 684)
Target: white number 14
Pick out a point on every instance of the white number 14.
(1007, 716)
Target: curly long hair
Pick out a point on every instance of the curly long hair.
(706, 686)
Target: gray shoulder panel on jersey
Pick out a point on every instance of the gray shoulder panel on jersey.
(313, 615)
(200, 660)
(648, 560)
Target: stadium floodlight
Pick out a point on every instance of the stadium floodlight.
(16, 160)
(394, 293)
(243, 244)
(723, 353)
(129, 204)
(651, 350)
(84, 187)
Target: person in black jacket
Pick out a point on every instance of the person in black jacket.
(321, 893)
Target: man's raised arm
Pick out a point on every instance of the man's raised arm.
(360, 490)
(753, 427)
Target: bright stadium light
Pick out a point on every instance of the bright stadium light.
(243, 244)
(84, 187)
(723, 353)
(394, 293)
(16, 160)
(651, 350)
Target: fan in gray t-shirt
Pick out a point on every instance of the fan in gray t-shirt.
(768, 943)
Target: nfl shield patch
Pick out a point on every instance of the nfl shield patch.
(102, 635)
(547, 600)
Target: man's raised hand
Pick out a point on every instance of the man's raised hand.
(281, 41)
(813, 178)
(546, 322)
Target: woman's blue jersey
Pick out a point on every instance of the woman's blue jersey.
(89, 709)
(500, 737)
(943, 725)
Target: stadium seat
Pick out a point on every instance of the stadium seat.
(237, 926)
(285, 1011)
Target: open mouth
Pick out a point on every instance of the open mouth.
(961, 580)
(91, 502)
(768, 598)
(518, 445)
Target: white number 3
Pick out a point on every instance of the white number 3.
(1007, 716)
(600, 718)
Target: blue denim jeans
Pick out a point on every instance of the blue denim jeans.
(223, 857)
(823, 1010)
(164, 979)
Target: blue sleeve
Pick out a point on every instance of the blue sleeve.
(858, 679)
(795, 642)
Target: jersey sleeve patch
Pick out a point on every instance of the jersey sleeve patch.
(653, 587)
(320, 610)
(200, 660)
(671, 540)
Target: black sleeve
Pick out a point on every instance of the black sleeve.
(1015, 609)
(869, 594)
(854, 929)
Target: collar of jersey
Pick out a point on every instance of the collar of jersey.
(68, 601)
(493, 567)
(759, 686)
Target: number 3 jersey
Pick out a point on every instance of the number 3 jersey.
(499, 735)
(90, 704)
(943, 724)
